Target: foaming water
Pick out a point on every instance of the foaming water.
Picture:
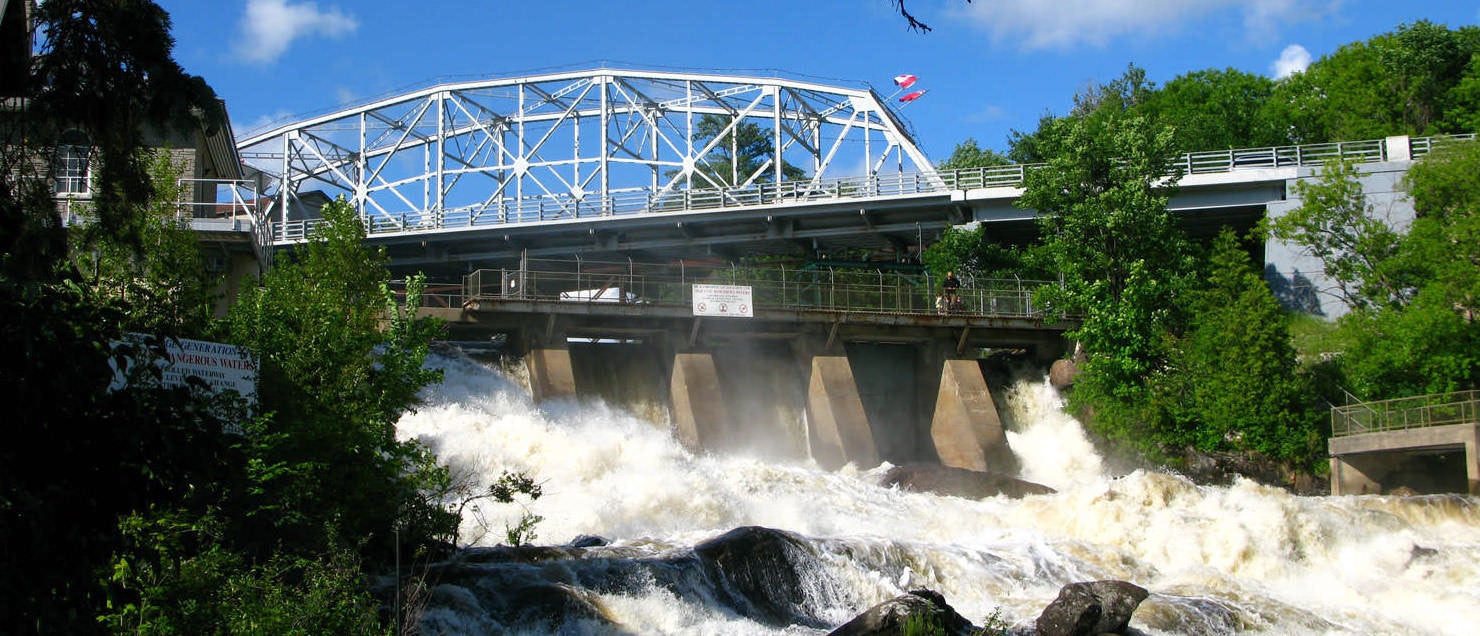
(1050, 444)
(1237, 559)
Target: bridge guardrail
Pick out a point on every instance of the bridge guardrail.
(853, 291)
(549, 207)
(1422, 411)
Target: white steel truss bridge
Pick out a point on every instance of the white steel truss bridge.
(496, 154)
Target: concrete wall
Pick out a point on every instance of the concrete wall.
(1414, 458)
(1297, 278)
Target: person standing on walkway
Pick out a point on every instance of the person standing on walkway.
(951, 288)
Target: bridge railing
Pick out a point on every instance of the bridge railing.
(565, 206)
(1422, 411)
(781, 288)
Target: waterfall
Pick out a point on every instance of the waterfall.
(1238, 559)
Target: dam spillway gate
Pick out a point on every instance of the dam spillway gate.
(870, 364)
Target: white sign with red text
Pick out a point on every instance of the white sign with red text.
(731, 301)
(219, 366)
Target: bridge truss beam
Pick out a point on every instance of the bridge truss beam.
(467, 154)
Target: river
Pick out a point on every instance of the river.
(1218, 560)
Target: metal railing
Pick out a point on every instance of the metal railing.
(552, 207)
(774, 288)
(1441, 409)
(236, 202)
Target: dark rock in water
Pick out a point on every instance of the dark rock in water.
(764, 574)
(924, 608)
(1220, 469)
(550, 605)
(960, 482)
(1096, 607)
(587, 541)
(1403, 491)
(488, 607)
(518, 554)
(1062, 373)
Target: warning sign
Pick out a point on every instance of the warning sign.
(220, 366)
(723, 300)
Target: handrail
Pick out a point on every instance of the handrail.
(637, 201)
(1440, 409)
(234, 200)
(778, 288)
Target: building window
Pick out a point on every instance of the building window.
(73, 172)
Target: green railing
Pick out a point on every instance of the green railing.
(772, 288)
(1422, 411)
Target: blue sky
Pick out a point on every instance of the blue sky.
(991, 66)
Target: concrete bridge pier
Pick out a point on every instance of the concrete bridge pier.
(965, 426)
(551, 374)
(700, 418)
(838, 427)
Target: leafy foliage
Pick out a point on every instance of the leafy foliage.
(183, 581)
(1213, 109)
(78, 456)
(104, 67)
(968, 154)
(1336, 225)
(340, 360)
(1233, 382)
(1105, 227)
(161, 281)
(1426, 344)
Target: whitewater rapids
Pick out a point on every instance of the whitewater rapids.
(1217, 560)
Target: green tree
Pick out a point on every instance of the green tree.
(1233, 382)
(340, 360)
(1111, 99)
(1335, 224)
(968, 154)
(78, 456)
(1424, 61)
(104, 67)
(1213, 110)
(1427, 344)
(161, 282)
(1443, 243)
(1104, 225)
(1396, 83)
(1462, 102)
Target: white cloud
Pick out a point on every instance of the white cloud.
(270, 27)
(1292, 60)
(1068, 24)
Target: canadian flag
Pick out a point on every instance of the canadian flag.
(905, 81)
(910, 97)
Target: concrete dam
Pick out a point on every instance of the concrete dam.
(840, 367)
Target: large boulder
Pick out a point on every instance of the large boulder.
(923, 609)
(1063, 373)
(1095, 607)
(765, 574)
(959, 482)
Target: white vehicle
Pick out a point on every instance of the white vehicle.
(605, 295)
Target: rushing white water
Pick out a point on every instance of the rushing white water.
(1238, 559)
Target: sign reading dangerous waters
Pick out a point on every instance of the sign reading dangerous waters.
(220, 366)
(723, 300)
